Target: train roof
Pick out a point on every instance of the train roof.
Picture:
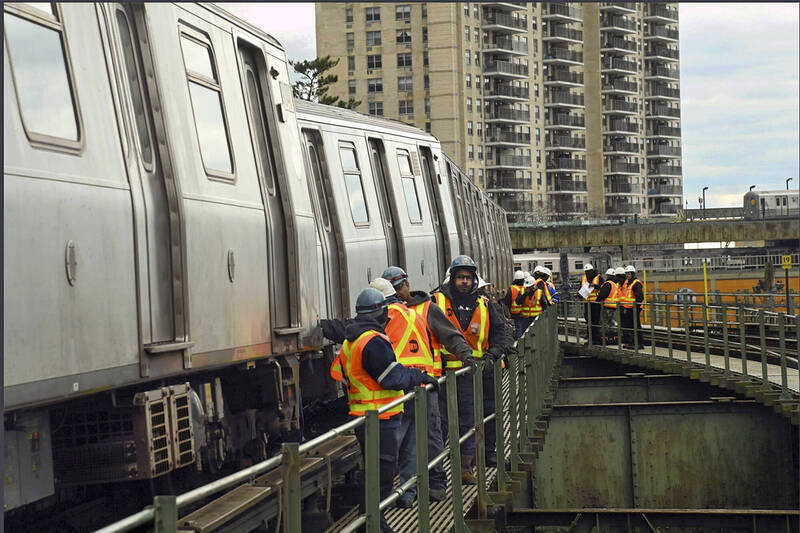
(348, 115)
(242, 23)
(778, 192)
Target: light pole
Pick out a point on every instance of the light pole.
(752, 187)
(787, 183)
(704, 201)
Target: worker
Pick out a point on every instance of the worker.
(607, 297)
(368, 366)
(484, 330)
(527, 303)
(631, 295)
(441, 332)
(547, 276)
(513, 302)
(592, 281)
(538, 298)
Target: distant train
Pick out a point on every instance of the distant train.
(175, 225)
(769, 204)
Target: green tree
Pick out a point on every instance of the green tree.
(316, 80)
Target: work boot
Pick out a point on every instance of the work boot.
(467, 477)
(437, 495)
(491, 458)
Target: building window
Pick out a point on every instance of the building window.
(428, 106)
(355, 189)
(480, 129)
(374, 61)
(467, 57)
(477, 58)
(373, 38)
(537, 135)
(405, 107)
(477, 35)
(403, 36)
(538, 156)
(466, 33)
(469, 127)
(351, 41)
(424, 34)
(425, 59)
(480, 152)
(375, 85)
(469, 104)
(428, 127)
(402, 12)
(405, 83)
(480, 175)
(424, 10)
(538, 178)
(475, 10)
(472, 175)
(351, 86)
(468, 79)
(376, 108)
(471, 152)
(372, 14)
(466, 9)
(478, 82)
(348, 15)
(206, 97)
(404, 60)
(351, 63)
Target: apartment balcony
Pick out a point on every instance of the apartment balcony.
(565, 164)
(665, 190)
(620, 87)
(560, 34)
(618, 45)
(558, 98)
(562, 13)
(660, 92)
(565, 121)
(507, 92)
(515, 205)
(664, 152)
(662, 54)
(509, 183)
(623, 208)
(665, 132)
(565, 207)
(620, 148)
(562, 56)
(566, 143)
(505, 69)
(612, 24)
(664, 112)
(563, 78)
(621, 127)
(662, 73)
(510, 161)
(624, 8)
(504, 23)
(510, 116)
(613, 106)
(506, 46)
(508, 138)
(658, 171)
(660, 14)
(626, 189)
(622, 167)
(505, 6)
(665, 208)
(660, 33)
(610, 64)
(567, 186)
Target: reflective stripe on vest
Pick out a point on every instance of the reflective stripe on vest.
(516, 308)
(436, 346)
(477, 335)
(363, 392)
(626, 296)
(593, 295)
(613, 296)
(408, 334)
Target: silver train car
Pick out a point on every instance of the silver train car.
(770, 204)
(175, 224)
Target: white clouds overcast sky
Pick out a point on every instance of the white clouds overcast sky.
(740, 89)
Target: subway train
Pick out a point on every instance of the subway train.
(175, 225)
(769, 204)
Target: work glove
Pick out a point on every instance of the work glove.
(469, 361)
(430, 380)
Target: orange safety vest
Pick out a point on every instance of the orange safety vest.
(545, 287)
(626, 297)
(613, 296)
(593, 295)
(408, 334)
(477, 334)
(436, 346)
(516, 309)
(532, 306)
(363, 392)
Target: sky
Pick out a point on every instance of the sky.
(740, 90)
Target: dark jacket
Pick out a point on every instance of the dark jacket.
(464, 306)
(638, 291)
(441, 328)
(519, 299)
(605, 290)
(378, 357)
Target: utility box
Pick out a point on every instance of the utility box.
(28, 459)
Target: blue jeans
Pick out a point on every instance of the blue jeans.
(389, 430)
(466, 412)
(520, 325)
(437, 478)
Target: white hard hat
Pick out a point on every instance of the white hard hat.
(383, 285)
(529, 281)
(527, 273)
(537, 269)
(446, 279)
(610, 272)
(546, 270)
(519, 275)
(587, 267)
(482, 282)
(630, 268)
(619, 271)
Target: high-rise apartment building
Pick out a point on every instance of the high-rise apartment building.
(559, 111)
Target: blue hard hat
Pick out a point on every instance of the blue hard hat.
(395, 275)
(369, 301)
(463, 261)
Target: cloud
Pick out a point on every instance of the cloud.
(292, 24)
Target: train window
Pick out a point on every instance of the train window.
(260, 129)
(409, 187)
(207, 105)
(355, 189)
(319, 186)
(135, 86)
(41, 72)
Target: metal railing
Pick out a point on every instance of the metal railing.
(621, 147)
(510, 91)
(664, 150)
(505, 67)
(662, 51)
(563, 54)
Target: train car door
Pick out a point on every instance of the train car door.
(433, 181)
(280, 293)
(394, 241)
(161, 271)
